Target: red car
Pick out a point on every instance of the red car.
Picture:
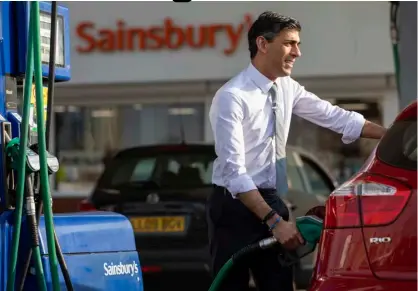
(369, 241)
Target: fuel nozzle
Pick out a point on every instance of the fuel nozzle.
(51, 160)
(310, 227)
(12, 152)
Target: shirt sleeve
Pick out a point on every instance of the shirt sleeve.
(310, 107)
(226, 116)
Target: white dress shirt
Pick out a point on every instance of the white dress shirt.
(242, 122)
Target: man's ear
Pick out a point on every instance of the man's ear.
(262, 44)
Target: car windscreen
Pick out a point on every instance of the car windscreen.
(167, 170)
(398, 147)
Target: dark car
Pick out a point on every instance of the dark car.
(163, 190)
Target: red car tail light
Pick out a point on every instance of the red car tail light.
(85, 205)
(151, 269)
(366, 200)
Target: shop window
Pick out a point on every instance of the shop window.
(86, 128)
(170, 123)
(86, 135)
(70, 126)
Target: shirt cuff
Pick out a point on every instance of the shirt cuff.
(354, 128)
(240, 184)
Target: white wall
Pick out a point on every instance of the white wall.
(338, 38)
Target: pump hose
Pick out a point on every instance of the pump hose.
(21, 174)
(33, 230)
(223, 272)
(309, 226)
(44, 178)
(51, 78)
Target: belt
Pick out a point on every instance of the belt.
(261, 190)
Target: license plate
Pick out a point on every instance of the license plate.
(164, 224)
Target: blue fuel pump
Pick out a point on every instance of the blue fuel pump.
(81, 251)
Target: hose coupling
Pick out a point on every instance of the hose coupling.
(267, 242)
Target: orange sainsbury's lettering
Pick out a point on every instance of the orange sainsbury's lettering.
(167, 36)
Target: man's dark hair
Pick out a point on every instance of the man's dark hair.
(269, 24)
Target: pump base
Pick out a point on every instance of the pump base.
(98, 248)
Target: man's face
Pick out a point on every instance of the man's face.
(283, 51)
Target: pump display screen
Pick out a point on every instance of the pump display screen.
(45, 19)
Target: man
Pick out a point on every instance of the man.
(250, 118)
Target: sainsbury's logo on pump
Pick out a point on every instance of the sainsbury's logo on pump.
(111, 269)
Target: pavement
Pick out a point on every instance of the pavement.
(184, 282)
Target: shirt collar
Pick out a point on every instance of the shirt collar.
(259, 79)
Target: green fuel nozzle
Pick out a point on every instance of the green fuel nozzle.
(32, 158)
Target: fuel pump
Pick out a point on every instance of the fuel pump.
(26, 164)
(36, 248)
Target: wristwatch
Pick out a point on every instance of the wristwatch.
(269, 215)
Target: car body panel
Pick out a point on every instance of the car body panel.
(377, 257)
(361, 284)
(394, 256)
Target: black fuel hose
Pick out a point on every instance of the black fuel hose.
(51, 81)
(32, 225)
(31, 213)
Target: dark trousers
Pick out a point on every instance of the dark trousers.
(231, 227)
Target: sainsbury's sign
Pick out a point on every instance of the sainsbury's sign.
(168, 36)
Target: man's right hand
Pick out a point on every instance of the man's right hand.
(287, 234)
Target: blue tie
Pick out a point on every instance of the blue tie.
(280, 143)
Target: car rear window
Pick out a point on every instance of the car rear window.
(166, 170)
(398, 147)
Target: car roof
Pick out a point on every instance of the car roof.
(158, 148)
(199, 147)
(170, 147)
(409, 111)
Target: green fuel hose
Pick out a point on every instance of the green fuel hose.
(310, 227)
(223, 272)
(21, 175)
(33, 63)
(51, 80)
(44, 179)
